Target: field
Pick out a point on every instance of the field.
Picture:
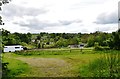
(55, 62)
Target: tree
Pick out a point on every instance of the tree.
(38, 37)
(116, 39)
(38, 45)
(114, 42)
(73, 41)
(62, 43)
(5, 32)
(1, 3)
(29, 36)
(91, 41)
(101, 38)
(1, 23)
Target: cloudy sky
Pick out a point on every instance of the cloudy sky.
(58, 16)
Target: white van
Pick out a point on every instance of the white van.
(13, 48)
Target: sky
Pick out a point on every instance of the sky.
(60, 16)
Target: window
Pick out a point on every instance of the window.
(5, 47)
(17, 47)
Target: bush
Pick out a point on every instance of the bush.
(100, 48)
(5, 69)
(15, 67)
(105, 66)
(97, 47)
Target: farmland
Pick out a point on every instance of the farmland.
(56, 63)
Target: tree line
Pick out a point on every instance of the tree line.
(55, 40)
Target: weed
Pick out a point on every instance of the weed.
(107, 65)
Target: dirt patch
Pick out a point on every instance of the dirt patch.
(47, 67)
(44, 62)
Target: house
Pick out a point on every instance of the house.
(13, 48)
(73, 46)
(77, 46)
(81, 45)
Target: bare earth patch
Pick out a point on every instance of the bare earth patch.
(47, 67)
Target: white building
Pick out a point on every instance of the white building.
(13, 48)
(77, 46)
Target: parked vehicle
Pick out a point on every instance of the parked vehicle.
(13, 48)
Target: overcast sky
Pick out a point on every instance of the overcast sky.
(58, 16)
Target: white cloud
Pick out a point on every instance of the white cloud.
(36, 24)
(58, 15)
(13, 10)
(107, 18)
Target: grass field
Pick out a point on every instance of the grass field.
(51, 62)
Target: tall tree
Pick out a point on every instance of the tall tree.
(114, 42)
(1, 3)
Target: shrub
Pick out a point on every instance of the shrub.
(97, 47)
(15, 67)
(5, 69)
(100, 48)
(105, 66)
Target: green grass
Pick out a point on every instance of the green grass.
(80, 62)
(108, 65)
(55, 52)
(15, 67)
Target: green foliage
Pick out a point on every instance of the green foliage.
(44, 52)
(97, 47)
(23, 44)
(73, 41)
(105, 66)
(91, 41)
(15, 38)
(61, 51)
(15, 67)
(5, 69)
(114, 42)
(57, 40)
(99, 37)
(69, 64)
(29, 46)
(100, 48)
(61, 43)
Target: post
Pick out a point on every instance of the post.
(81, 49)
(81, 46)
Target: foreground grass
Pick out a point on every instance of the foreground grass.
(108, 65)
(15, 67)
(54, 63)
(57, 62)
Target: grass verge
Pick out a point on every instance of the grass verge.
(15, 67)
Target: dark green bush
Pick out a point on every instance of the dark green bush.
(5, 69)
